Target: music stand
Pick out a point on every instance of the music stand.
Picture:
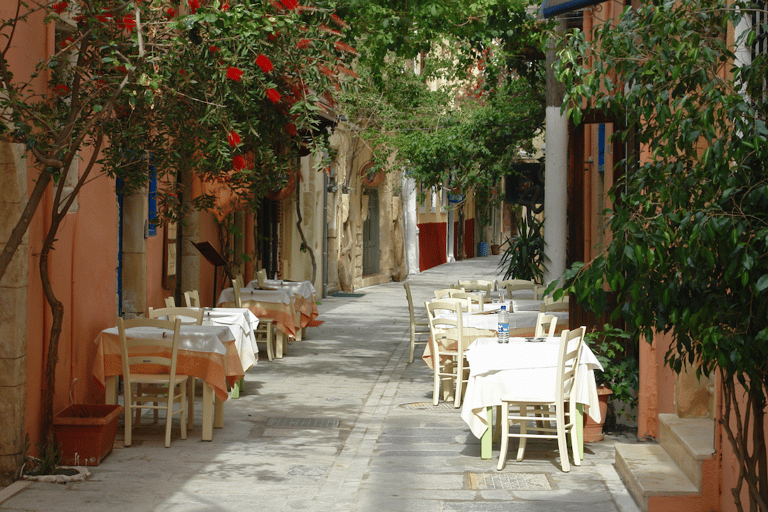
(214, 258)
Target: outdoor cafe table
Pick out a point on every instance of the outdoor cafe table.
(523, 370)
(303, 292)
(206, 352)
(243, 324)
(489, 321)
(275, 304)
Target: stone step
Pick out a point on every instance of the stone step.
(689, 441)
(649, 471)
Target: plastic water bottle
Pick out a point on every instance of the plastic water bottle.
(503, 328)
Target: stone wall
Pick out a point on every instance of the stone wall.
(13, 314)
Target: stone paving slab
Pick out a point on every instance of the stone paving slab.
(383, 456)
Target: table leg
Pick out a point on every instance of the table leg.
(207, 412)
(111, 389)
(218, 413)
(580, 428)
(486, 441)
(190, 402)
(281, 342)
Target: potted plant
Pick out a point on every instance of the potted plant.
(495, 248)
(523, 256)
(619, 379)
(85, 433)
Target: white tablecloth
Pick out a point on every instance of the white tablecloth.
(195, 338)
(522, 319)
(279, 296)
(526, 370)
(303, 288)
(243, 324)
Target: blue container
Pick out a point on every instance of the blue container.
(482, 249)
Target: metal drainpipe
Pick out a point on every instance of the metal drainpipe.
(325, 235)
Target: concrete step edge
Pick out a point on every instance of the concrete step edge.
(689, 441)
(647, 470)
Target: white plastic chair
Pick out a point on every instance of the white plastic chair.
(166, 388)
(551, 408)
(419, 328)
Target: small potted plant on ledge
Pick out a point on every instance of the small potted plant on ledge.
(619, 380)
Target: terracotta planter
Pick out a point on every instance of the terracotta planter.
(593, 431)
(495, 249)
(85, 433)
(285, 192)
(371, 179)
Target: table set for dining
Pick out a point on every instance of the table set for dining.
(221, 350)
(524, 368)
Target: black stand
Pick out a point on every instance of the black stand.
(214, 258)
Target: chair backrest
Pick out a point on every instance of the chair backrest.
(239, 279)
(189, 316)
(445, 331)
(568, 363)
(475, 300)
(551, 305)
(445, 293)
(518, 285)
(192, 299)
(410, 301)
(160, 352)
(545, 325)
(478, 285)
(238, 298)
(170, 302)
(464, 303)
(261, 276)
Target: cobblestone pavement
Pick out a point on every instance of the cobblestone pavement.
(341, 423)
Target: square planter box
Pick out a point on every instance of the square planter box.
(85, 433)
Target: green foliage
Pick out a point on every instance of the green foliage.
(523, 256)
(472, 101)
(621, 368)
(690, 221)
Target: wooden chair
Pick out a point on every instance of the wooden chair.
(189, 316)
(551, 305)
(517, 285)
(192, 299)
(478, 285)
(266, 333)
(170, 302)
(419, 328)
(552, 408)
(159, 388)
(444, 293)
(474, 300)
(266, 329)
(261, 277)
(447, 349)
(545, 321)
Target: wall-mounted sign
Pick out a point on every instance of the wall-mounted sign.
(554, 7)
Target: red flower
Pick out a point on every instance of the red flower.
(61, 89)
(264, 63)
(128, 23)
(238, 163)
(170, 13)
(213, 49)
(344, 47)
(233, 138)
(194, 5)
(291, 129)
(234, 74)
(274, 36)
(224, 5)
(290, 4)
(60, 6)
(122, 69)
(340, 22)
(273, 95)
(104, 18)
(304, 43)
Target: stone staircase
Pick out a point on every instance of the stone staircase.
(678, 473)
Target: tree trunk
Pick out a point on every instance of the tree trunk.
(304, 244)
